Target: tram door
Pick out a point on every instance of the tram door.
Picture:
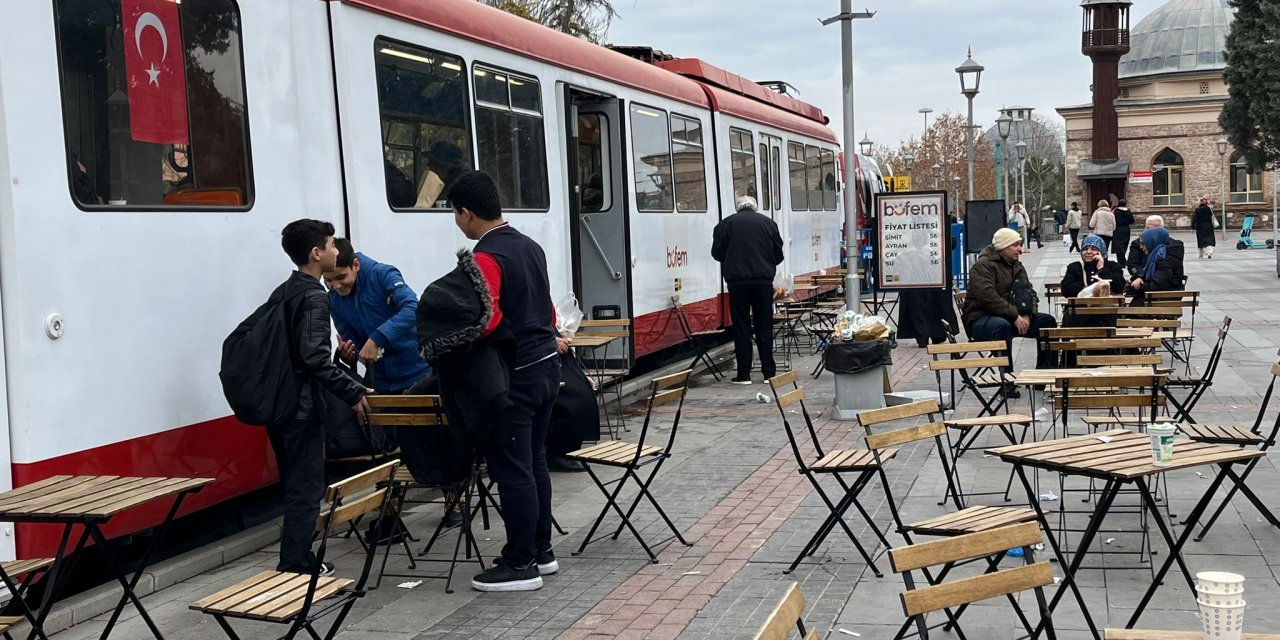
(769, 159)
(597, 205)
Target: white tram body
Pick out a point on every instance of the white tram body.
(130, 246)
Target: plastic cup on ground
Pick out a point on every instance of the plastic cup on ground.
(1219, 582)
(1161, 443)
(1222, 623)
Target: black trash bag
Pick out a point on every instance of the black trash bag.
(856, 356)
(435, 457)
(347, 436)
(575, 418)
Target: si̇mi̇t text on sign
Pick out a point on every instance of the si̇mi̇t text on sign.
(911, 228)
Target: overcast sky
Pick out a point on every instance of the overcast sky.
(904, 58)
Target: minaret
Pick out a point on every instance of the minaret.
(1105, 40)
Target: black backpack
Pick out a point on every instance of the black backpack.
(1023, 296)
(259, 376)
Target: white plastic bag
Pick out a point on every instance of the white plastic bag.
(568, 315)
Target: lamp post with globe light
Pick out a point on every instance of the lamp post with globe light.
(1004, 124)
(970, 73)
(1022, 173)
(937, 174)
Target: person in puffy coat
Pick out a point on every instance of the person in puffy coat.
(1162, 269)
(988, 312)
(748, 247)
(1202, 222)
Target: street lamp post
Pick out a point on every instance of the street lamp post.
(926, 111)
(937, 175)
(970, 73)
(910, 161)
(865, 145)
(1222, 181)
(1022, 173)
(1003, 126)
(852, 288)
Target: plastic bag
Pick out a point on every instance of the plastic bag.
(855, 326)
(783, 286)
(568, 315)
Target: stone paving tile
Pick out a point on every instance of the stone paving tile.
(733, 490)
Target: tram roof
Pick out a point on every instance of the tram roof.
(687, 80)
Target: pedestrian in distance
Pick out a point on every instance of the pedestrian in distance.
(748, 247)
(1019, 221)
(514, 268)
(299, 443)
(1120, 238)
(1202, 222)
(1103, 222)
(1074, 221)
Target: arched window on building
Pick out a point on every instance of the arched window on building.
(1246, 185)
(1166, 180)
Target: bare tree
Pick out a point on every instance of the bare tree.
(943, 145)
(586, 19)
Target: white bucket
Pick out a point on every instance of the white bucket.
(1219, 582)
(1222, 623)
(1161, 443)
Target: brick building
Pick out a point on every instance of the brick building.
(1171, 91)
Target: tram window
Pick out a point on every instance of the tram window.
(828, 180)
(154, 110)
(813, 173)
(509, 137)
(426, 139)
(651, 153)
(776, 172)
(690, 164)
(743, 158)
(593, 162)
(795, 166)
(765, 180)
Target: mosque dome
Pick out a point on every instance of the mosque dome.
(1178, 37)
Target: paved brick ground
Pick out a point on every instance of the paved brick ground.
(732, 488)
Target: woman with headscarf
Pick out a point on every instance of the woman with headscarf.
(1120, 238)
(1202, 222)
(1162, 270)
(1094, 276)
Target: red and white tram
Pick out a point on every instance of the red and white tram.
(153, 149)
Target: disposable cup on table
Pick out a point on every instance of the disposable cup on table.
(1220, 582)
(1161, 443)
(1222, 623)
(1218, 599)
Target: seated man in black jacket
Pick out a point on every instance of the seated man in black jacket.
(749, 248)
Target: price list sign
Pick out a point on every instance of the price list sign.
(912, 245)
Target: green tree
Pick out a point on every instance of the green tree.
(1251, 115)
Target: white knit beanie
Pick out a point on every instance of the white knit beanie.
(1004, 238)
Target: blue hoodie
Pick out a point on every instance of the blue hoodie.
(382, 307)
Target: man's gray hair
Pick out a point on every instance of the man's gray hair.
(1154, 221)
(747, 202)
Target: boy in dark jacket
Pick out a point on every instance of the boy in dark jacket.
(748, 247)
(299, 443)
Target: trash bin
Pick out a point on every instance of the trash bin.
(859, 369)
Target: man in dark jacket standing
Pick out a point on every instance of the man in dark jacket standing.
(515, 270)
(299, 444)
(749, 249)
(988, 312)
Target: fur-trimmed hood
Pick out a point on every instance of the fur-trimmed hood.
(453, 311)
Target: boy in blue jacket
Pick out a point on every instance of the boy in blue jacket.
(373, 310)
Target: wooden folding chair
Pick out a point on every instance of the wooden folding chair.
(632, 458)
(1178, 299)
(697, 340)
(19, 575)
(833, 464)
(1196, 386)
(981, 367)
(608, 371)
(918, 601)
(299, 599)
(789, 613)
(1241, 436)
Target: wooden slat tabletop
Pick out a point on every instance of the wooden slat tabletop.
(589, 341)
(1134, 332)
(94, 497)
(1125, 456)
(1041, 377)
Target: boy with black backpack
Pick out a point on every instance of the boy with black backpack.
(274, 366)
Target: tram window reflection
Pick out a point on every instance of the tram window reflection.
(651, 154)
(795, 167)
(743, 158)
(691, 170)
(426, 139)
(593, 163)
(161, 121)
(828, 180)
(813, 176)
(509, 137)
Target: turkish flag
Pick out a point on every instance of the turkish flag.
(154, 60)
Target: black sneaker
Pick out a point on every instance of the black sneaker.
(326, 569)
(741, 380)
(1011, 390)
(500, 577)
(561, 463)
(546, 561)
